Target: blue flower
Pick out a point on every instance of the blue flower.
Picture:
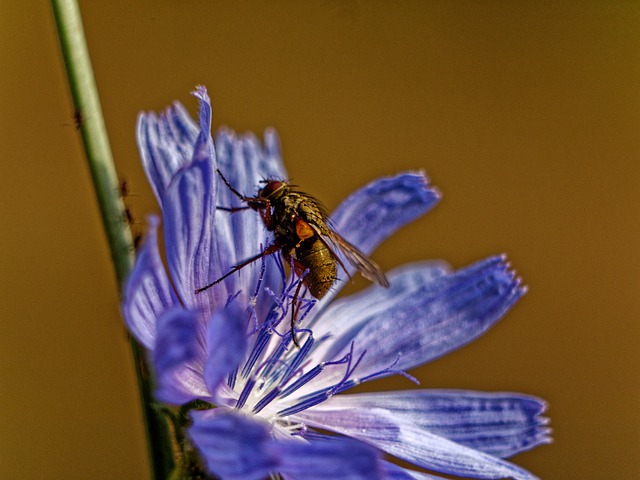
(279, 408)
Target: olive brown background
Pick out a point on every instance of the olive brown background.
(526, 115)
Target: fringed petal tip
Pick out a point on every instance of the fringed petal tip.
(430, 192)
(166, 143)
(434, 315)
(201, 93)
(501, 424)
(204, 149)
(272, 143)
(516, 281)
(412, 443)
(377, 210)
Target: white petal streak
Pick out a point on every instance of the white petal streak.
(376, 211)
(394, 472)
(165, 143)
(411, 443)
(423, 319)
(498, 423)
(189, 215)
(148, 291)
(244, 162)
(346, 316)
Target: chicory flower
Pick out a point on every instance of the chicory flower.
(263, 406)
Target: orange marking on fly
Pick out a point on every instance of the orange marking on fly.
(303, 230)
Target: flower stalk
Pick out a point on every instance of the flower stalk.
(90, 123)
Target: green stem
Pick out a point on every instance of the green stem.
(89, 119)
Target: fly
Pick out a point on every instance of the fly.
(304, 238)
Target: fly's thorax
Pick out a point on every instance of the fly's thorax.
(286, 212)
(308, 209)
(283, 215)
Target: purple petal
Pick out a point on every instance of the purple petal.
(360, 306)
(245, 163)
(182, 129)
(194, 249)
(379, 209)
(329, 457)
(500, 424)
(148, 291)
(419, 318)
(273, 155)
(178, 357)
(411, 443)
(394, 472)
(203, 150)
(233, 446)
(236, 446)
(180, 161)
(166, 144)
(226, 345)
(376, 211)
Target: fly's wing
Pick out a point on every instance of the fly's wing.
(367, 267)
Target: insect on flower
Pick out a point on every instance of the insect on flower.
(304, 237)
(250, 406)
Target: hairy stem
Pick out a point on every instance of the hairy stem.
(90, 122)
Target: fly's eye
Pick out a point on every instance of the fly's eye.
(270, 188)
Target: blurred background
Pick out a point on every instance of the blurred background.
(525, 115)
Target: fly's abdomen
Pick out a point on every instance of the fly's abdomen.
(314, 255)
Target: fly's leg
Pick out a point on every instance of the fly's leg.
(235, 192)
(295, 307)
(233, 209)
(270, 250)
(300, 270)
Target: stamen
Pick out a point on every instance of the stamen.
(268, 398)
(310, 375)
(258, 348)
(292, 367)
(306, 378)
(253, 301)
(301, 430)
(231, 298)
(307, 403)
(320, 396)
(349, 369)
(298, 359)
(242, 399)
(231, 379)
(390, 369)
(274, 318)
(275, 357)
(280, 265)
